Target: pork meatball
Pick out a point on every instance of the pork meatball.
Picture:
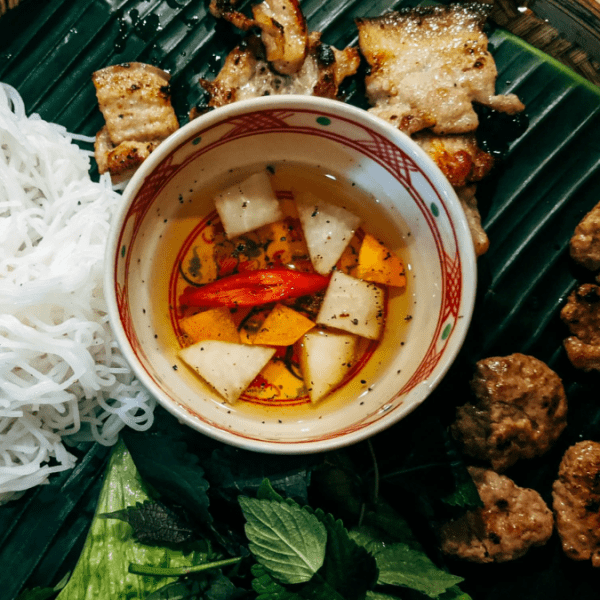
(520, 412)
(585, 243)
(581, 314)
(512, 520)
(576, 502)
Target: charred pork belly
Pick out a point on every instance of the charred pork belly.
(520, 412)
(284, 34)
(135, 100)
(463, 163)
(283, 59)
(429, 69)
(468, 201)
(581, 314)
(458, 156)
(226, 9)
(247, 73)
(576, 502)
(430, 64)
(512, 520)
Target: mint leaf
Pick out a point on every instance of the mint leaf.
(153, 522)
(402, 565)
(283, 537)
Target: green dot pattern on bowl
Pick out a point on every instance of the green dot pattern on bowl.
(196, 141)
(446, 331)
(123, 251)
(324, 121)
(434, 209)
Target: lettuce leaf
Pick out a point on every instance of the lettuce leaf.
(102, 569)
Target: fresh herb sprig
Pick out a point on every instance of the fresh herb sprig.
(216, 523)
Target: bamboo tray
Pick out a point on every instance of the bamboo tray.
(547, 51)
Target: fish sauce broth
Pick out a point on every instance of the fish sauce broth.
(206, 255)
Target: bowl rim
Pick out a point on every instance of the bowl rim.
(465, 249)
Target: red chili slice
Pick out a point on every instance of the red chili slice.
(254, 287)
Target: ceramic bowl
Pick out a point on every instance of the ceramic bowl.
(404, 200)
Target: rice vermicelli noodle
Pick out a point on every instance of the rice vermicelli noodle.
(62, 375)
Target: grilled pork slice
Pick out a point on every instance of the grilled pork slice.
(576, 502)
(466, 196)
(520, 412)
(226, 9)
(247, 73)
(134, 99)
(581, 314)
(462, 162)
(283, 33)
(459, 157)
(428, 65)
(122, 160)
(512, 520)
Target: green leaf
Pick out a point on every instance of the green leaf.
(217, 587)
(434, 469)
(283, 537)
(382, 523)
(102, 569)
(402, 565)
(348, 568)
(268, 588)
(233, 471)
(222, 588)
(153, 522)
(266, 492)
(379, 596)
(170, 571)
(175, 474)
(177, 590)
(455, 593)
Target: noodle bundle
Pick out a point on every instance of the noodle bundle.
(61, 371)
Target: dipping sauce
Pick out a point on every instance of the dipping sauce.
(207, 255)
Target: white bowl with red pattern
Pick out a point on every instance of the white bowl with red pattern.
(410, 206)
